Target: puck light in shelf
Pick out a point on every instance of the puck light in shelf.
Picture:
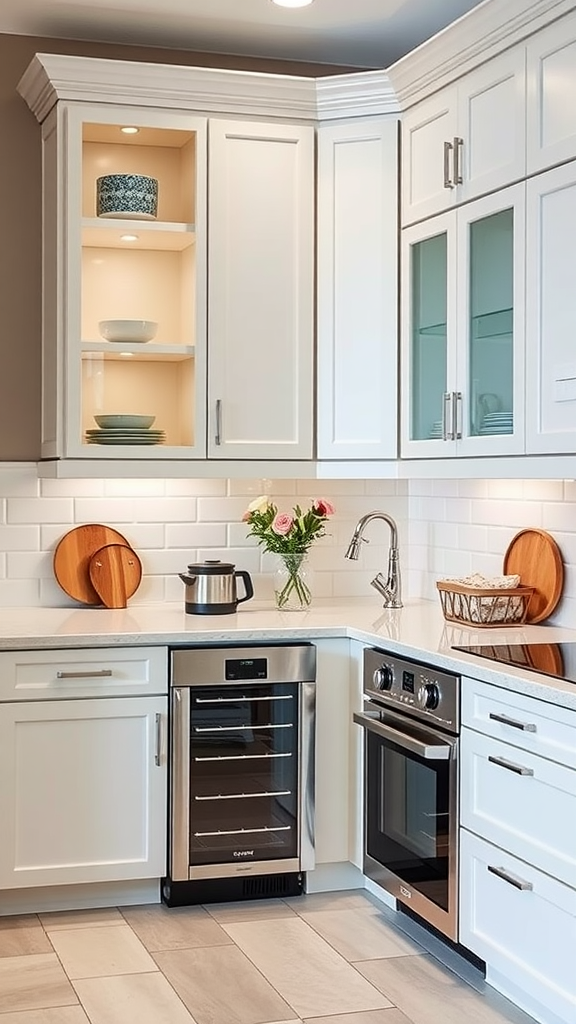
(292, 3)
(130, 130)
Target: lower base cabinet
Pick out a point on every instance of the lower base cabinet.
(522, 923)
(83, 792)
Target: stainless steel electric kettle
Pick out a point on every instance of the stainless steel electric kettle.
(211, 588)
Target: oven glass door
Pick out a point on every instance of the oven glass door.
(410, 812)
(243, 772)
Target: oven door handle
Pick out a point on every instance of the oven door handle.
(428, 751)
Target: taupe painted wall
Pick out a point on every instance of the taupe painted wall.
(20, 219)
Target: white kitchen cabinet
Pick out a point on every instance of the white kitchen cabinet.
(551, 84)
(462, 330)
(517, 860)
(229, 373)
(83, 763)
(551, 311)
(357, 290)
(83, 796)
(466, 140)
(522, 923)
(261, 290)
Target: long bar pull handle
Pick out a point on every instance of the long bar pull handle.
(448, 183)
(517, 768)
(512, 722)
(458, 145)
(218, 434)
(158, 740)
(447, 435)
(100, 673)
(457, 411)
(518, 883)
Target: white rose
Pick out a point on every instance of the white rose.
(259, 504)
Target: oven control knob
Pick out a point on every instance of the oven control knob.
(428, 696)
(383, 677)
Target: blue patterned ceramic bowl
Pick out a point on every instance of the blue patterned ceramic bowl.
(127, 195)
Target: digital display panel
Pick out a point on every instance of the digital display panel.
(246, 668)
(408, 682)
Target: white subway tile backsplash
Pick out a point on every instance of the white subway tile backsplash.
(115, 511)
(195, 535)
(40, 510)
(446, 527)
(19, 538)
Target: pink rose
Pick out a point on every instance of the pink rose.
(282, 523)
(323, 507)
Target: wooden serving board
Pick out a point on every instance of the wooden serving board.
(72, 559)
(535, 556)
(115, 573)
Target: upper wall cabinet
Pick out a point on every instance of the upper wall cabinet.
(357, 290)
(223, 266)
(261, 297)
(551, 70)
(465, 140)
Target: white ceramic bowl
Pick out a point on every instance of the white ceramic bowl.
(128, 330)
(125, 421)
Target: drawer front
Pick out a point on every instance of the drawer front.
(521, 802)
(522, 924)
(101, 672)
(528, 723)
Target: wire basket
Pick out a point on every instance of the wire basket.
(492, 607)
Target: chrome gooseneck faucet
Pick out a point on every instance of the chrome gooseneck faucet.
(390, 589)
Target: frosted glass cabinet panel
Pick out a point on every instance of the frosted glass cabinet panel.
(463, 330)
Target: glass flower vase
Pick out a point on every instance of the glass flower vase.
(292, 582)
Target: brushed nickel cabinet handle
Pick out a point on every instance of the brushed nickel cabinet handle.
(518, 769)
(448, 183)
(512, 722)
(99, 673)
(458, 145)
(218, 434)
(457, 410)
(158, 739)
(518, 883)
(447, 417)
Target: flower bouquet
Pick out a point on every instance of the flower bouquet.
(288, 535)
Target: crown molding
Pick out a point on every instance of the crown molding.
(476, 37)
(51, 78)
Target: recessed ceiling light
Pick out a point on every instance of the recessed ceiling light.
(292, 3)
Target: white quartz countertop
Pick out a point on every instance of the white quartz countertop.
(416, 631)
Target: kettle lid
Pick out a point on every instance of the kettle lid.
(211, 567)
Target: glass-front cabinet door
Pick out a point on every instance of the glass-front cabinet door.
(134, 323)
(463, 330)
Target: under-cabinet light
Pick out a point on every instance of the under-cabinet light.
(292, 3)
(126, 355)
(129, 238)
(130, 130)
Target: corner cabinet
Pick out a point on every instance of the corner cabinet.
(229, 372)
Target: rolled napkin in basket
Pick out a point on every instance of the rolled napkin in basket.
(483, 609)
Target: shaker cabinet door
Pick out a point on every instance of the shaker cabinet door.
(261, 290)
(83, 795)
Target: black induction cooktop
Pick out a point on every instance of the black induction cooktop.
(557, 660)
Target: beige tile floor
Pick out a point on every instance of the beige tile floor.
(337, 958)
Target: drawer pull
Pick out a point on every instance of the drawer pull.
(99, 673)
(517, 768)
(525, 726)
(518, 883)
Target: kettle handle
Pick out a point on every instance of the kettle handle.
(247, 585)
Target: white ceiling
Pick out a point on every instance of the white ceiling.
(363, 33)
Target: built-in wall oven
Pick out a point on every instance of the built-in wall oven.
(411, 724)
(241, 797)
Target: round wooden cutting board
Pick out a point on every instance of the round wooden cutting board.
(535, 556)
(72, 559)
(115, 573)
